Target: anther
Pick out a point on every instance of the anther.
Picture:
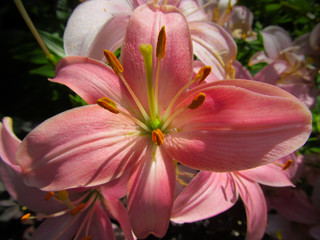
(86, 238)
(25, 217)
(77, 209)
(161, 44)
(114, 62)
(197, 101)
(49, 195)
(108, 104)
(157, 137)
(203, 73)
(287, 164)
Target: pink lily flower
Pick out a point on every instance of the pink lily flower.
(101, 24)
(211, 193)
(80, 213)
(295, 74)
(148, 118)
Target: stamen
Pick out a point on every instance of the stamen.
(86, 238)
(108, 104)
(118, 69)
(49, 195)
(161, 44)
(287, 164)
(157, 137)
(197, 101)
(146, 51)
(114, 62)
(25, 217)
(161, 49)
(203, 73)
(77, 209)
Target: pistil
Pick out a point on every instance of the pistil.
(146, 51)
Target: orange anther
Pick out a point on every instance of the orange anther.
(161, 44)
(49, 195)
(157, 137)
(108, 104)
(77, 209)
(197, 101)
(25, 217)
(114, 62)
(86, 238)
(287, 164)
(203, 73)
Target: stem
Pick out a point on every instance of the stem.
(32, 28)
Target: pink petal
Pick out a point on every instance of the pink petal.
(270, 174)
(176, 67)
(214, 46)
(63, 227)
(207, 195)
(271, 73)
(116, 188)
(87, 21)
(231, 131)
(287, 199)
(90, 79)
(85, 146)
(256, 209)
(10, 174)
(31, 197)
(9, 144)
(315, 39)
(151, 194)
(115, 30)
(259, 57)
(100, 226)
(241, 71)
(117, 211)
(192, 10)
(275, 39)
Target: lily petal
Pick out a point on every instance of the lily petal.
(275, 39)
(151, 194)
(270, 175)
(100, 227)
(115, 29)
(176, 66)
(90, 79)
(63, 228)
(231, 131)
(81, 30)
(117, 211)
(9, 144)
(255, 205)
(214, 46)
(207, 195)
(271, 73)
(85, 146)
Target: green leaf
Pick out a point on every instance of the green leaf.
(273, 7)
(45, 70)
(53, 42)
(77, 101)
